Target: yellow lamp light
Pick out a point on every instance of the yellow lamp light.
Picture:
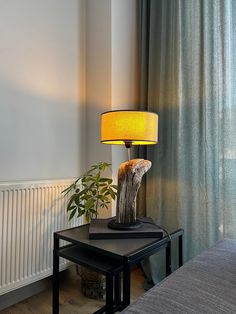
(129, 127)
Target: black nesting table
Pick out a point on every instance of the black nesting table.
(109, 257)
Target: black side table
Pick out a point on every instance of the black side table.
(120, 254)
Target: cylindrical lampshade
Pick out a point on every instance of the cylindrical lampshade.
(129, 126)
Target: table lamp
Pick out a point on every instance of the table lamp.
(129, 127)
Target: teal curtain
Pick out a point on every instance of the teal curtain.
(188, 76)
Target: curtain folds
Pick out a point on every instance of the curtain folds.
(188, 76)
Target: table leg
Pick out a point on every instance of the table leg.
(180, 250)
(117, 289)
(55, 281)
(168, 259)
(109, 293)
(126, 285)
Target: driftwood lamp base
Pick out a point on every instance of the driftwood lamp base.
(130, 174)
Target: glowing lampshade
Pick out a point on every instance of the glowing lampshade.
(129, 127)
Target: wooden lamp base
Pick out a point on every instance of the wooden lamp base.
(130, 174)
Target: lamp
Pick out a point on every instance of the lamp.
(129, 127)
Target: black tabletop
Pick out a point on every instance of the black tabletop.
(117, 247)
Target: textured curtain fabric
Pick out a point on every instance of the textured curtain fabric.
(188, 76)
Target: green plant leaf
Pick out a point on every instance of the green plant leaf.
(103, 198)
(104, 189)
(67, 190)
(72, 214)
(90, 191)
(104, 165)
(80, 212)
(89, 204)
(88, 179)
(77, 200)
(114, 186)
(71, 208)
(106, 199)
(71, 200)
(102, 184)
(113, 195)
(81, 193)
(106, 180)
(92, 185)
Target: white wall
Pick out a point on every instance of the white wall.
(124, 47)
(124, 65)
(98, 75)
(62, 63)
(111, 71)
(42, 110)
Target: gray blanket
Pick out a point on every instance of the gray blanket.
(205, 284)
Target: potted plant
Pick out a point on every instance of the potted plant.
(87, 195)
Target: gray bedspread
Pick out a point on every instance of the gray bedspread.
(205, 284)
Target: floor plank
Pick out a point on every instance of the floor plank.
(71, 299)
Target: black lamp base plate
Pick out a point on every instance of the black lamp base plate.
(113, 224)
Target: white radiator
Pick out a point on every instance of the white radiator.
(29, 214)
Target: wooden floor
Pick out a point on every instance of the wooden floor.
(71, 299)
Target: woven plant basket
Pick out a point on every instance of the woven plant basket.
(93, 285)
